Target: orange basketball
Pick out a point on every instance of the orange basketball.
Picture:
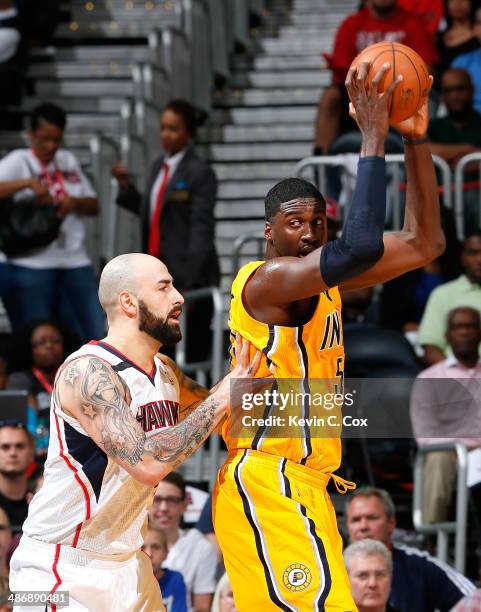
(412, 91)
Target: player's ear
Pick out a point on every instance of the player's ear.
(128, 303)
(268, 232)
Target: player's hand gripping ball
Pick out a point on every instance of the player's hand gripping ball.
(412, 92)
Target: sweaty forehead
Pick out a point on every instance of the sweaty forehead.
(300, 205)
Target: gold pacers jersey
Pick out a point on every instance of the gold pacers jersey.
(310, 351)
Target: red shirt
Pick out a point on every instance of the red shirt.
(362, 29)
(431, 11)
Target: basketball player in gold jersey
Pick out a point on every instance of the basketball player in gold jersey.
(273, 518)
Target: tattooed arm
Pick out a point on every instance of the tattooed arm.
(91, 391)
(190, 392)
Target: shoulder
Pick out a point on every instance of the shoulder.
(467, 59)
(173, 576)
(197, 165)
(199, 542)
(19, 156)
(354, 20)
(439, 293)
(433, 371)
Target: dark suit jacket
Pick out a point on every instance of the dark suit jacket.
(187, 221)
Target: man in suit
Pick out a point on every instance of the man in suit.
(177, 216)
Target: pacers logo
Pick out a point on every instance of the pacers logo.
(297, 577)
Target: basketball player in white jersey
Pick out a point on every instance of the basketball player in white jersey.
(115, 432)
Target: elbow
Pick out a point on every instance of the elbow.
(433, 249)
(152, 478)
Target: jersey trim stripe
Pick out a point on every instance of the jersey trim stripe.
(56, 574)
(77, 478)
(306, 390)
(260, 544)
(120, 355)
(318, 546)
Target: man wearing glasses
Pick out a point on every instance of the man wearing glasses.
(16, 454)
(189, 552)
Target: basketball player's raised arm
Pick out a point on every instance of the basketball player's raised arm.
(287, 279)
(91, 391)
(421, 239)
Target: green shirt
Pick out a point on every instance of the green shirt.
(445, 131)
(459, 292)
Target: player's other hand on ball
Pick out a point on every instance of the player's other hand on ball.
(370, 107)
(417, 125)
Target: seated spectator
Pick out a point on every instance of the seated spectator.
(223, 597)
(189, 552)
(472, 62)
(172, 585)
(457, 134)
(464, 291)
(458, 37)
(369, 567)
(16, 457)
(206, 526)
(440, 409)
(57, 281)
(380, 20)
(420, 583)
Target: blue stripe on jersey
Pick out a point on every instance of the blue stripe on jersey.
(92, 459)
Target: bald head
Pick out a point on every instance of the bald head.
(129, 272)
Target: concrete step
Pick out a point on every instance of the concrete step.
(288, 62)
(260, 152)
(233, 229)
(258, 133)
(234, 190)
(269, 115)
(77, 105)
(293, 46)
(248, 209)
(99, 30)
(102, 53)
(281, 78)
(82, 70)
(249, 171)
(84, 88)
(272, 97)
(124, 12)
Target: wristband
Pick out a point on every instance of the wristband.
(415, 141)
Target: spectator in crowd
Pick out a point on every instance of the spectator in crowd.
(420, 583)
(444, 410)
(369, 567)
(172, 585)
(177, 217)
(189, 552)
(380, 20)
(471, 603)
(431, 11)
(458, 37)
(457, 134)
(60, 273)
(16, 457)
(464, 291)
(472, 62)
(223, 597)
(206, 526)
(40, 348)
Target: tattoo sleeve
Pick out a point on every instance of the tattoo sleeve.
(102, 396)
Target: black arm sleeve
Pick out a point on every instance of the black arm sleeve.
(361, 244)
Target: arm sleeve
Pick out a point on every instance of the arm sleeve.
(202, 225)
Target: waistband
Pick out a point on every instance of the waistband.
(76, 556)
(303, 473)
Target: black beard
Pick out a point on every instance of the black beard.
(158, 328)
(383, 11)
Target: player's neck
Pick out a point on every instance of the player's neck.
(137, 346)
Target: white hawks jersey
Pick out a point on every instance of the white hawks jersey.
(87, 500)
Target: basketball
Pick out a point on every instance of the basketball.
(412, 91)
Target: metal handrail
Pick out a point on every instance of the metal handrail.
(213, 365)
(458, 526)
(458, 189)
(391, 158)
(240, 241)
